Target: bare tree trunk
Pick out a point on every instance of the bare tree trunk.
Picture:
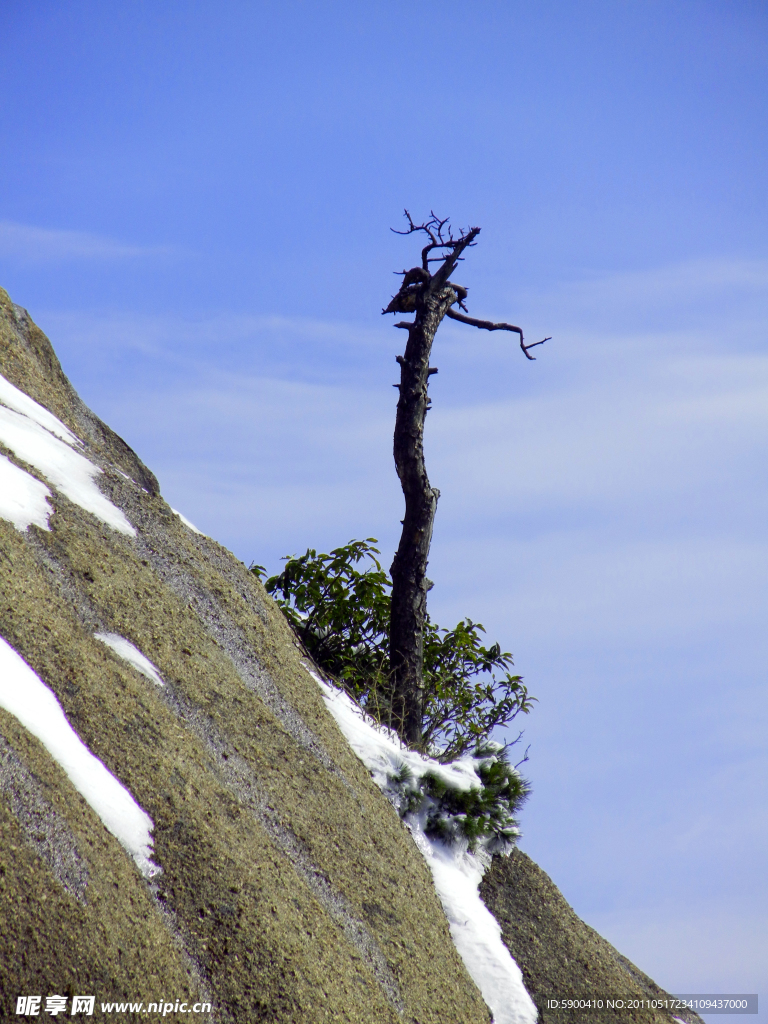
(430, 296)
(409, 568)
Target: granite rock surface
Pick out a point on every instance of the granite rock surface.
(290, 891)
(563, 960)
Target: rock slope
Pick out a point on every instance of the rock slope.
(288, 889)
(563, 960)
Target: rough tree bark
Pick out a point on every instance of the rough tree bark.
(430, 296)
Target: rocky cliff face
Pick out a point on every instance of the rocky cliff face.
(563, 960)
(277, 883)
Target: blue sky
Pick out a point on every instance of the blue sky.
(195, 203)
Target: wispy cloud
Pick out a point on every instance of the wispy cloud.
(35, 244)
(673, 945)
(614, 438)
(290, 348)
(239, 449)
(703, 294)
(676, 281)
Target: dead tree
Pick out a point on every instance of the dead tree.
(431, 296)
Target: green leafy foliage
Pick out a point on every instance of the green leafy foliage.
(483, 813)
(338, 604)
(339, 613)
(469, 690)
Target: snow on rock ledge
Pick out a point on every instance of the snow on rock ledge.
(456, 872)
(128, 652)
(41, 440)
(26, 696)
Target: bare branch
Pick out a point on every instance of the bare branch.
(434, 224)
(453, 257)
(461, 294)
(525, 755)
(425, 258)
(434, 228)
(411, 227)
(488, 325)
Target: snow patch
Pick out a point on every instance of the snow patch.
(187, 523)
(21, 403)
(23, 498)
(456, 872)
(38, 438)
(125, 649)
(26, 696)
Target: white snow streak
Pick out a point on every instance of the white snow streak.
(125, 649)
(186, 522)
(456, 872)
(17, 400)
(22, 497)
(26, 696)
(38, 438)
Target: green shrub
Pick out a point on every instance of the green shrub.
(340, 612)
(482, 814)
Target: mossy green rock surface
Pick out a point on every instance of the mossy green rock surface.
(567, 967)
(290, 891)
